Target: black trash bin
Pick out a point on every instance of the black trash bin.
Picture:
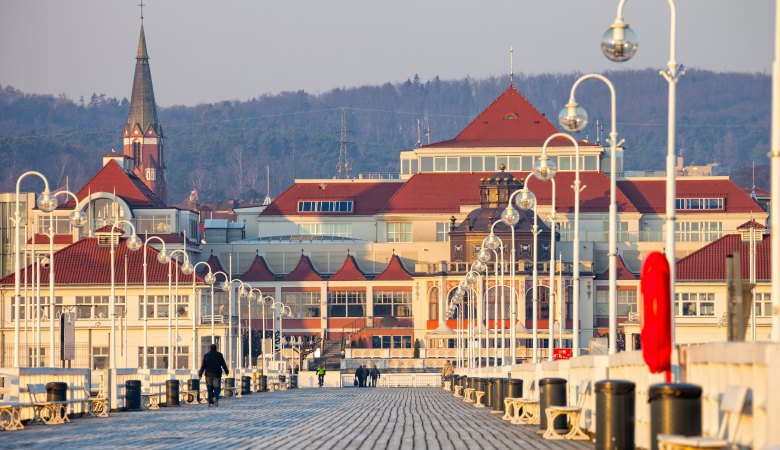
(171, 392)
(513, 388)
(133, 395)
(282, 379)
(57, 391)
(499, 392)
(246, 384)
(294, 381)
(552, 392)
(193, 386)
(489, 394)
(230, 382)
(674, 409)
(263, 383)
(614, 414)
(480, 386)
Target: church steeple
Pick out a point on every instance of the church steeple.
(143, 134)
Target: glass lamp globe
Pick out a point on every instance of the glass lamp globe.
(510, 216)
(619, 42)
(573, 118)
(163, 257)
(479, 266)
(483, 255)
(187, 268)
(545, 169)
(134, 243)
(225, 286)
(526, 200)
(78, 219)
(210, 278)
(472, 277)
(492, 242)
(46, 202)
(242, 292)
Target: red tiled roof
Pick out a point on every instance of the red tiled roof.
(751, 224)
(395, 271)
(350, 271)
(510, 121)
(709, 262)
(109, 229)
(368, 197)
(128, 186)
(258, 271)
(623, 272)
(84, 263)
(760, 192)
(58, 239)
(446, 192)
(304, 271)
(649, 196)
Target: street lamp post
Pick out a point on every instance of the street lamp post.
(186, 268)
(242, 292)
(162, 258)
(619, 44)
(574, 118)
(775, 182)
(46, 202)
(528, 201)
(209, 279)
(133, 244)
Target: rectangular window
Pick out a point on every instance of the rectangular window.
(158, 306)
(477, 164)
(100, 358)
(763, 304)
(414, 166)
(465, 164)
(346, 303)
(392, 304)
(326, 229)
(329, 206)
(528, 163)
(490, 163)
(698, 231)
(591, 163)
(399, 232)
(439, 164)
(405, 166)
(452, 164)
(705, 203)
(565, 163)
(627, 302)
(442, 231)
(61, 224)
(426, 164)
(502, 160)
(694, 304)
(515, 163)
(96, 306)
(303, 304)
(153, 224)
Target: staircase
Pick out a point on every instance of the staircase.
(331, 355)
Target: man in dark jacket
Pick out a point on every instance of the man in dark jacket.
(213, 363)
(374, 375)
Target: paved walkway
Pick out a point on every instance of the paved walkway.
(300, 419)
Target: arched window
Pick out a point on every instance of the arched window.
(469, 301)
(150, 174)
(543, 296)
(492, 302)
(136, 152)
(103, 212)
(568, 305)
(433, 304)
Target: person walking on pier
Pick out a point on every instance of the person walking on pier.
(374, 375)
(320, 375)
(446, 372)
(213, 363)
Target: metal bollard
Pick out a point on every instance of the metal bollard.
(480, 386)
(263, 383)
(513, 389)
(489, 394)
(171, 392)
(614, 414)
(246, 383)
(499, 392)
(193, 385)
(552, 392)
(230, 382)
(674, 409)
(133, 395)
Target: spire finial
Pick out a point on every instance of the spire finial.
(142, 11)
(511, 66)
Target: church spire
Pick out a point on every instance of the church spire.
(143, 110)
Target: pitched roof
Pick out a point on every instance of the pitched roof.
(751, 224)
(85, 263)
(304, 271)
(649, 196)
(58, 239)
(215, 265)
(446, 192)
(510, 121)
(623, 272)
(709, 262)
(395, 271)
(368, 196)
(349, 271)
(258, 271)
(111, 178)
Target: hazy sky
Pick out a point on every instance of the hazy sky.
(206, 51)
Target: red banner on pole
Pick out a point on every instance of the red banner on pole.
(656, 315)
(561, 353)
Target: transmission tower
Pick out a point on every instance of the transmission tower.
(344, 167)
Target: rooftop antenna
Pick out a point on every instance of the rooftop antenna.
(343, 169)
(511, 66)
(267, 199)
(142, 11)
(419, 135)
(753, 190)
(428, 133)
(599, 129)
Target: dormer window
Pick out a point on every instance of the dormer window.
(328, 206)
(510, 116)
(700, 203)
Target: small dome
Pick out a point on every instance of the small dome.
(501, 178)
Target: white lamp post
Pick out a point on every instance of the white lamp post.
(162, 258)
(242, 293)
(209, 279)
(526, 201)
(619, 44)
(263, 301)
(186, 268)
(46, 203)
(133, 244)
(574, 118)
(494, 243)
(775, 183)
